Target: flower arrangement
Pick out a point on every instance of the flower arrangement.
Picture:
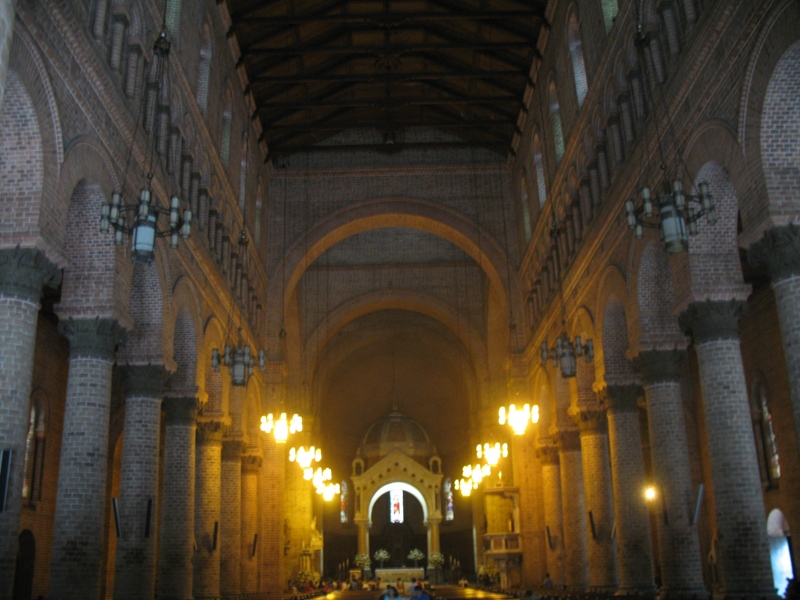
(436, 559)
(416, 555)
(303, 577)
(381, 555)
(362, 561)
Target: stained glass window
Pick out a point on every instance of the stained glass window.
(448, 500)
(343, 503)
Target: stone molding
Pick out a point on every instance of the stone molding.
(621, 398)
(180, 410)
(143, 381)
(569, 440)
(210, 431)
(660, 366)
(713, 320)
(23, 271)
(93, 338)
(232, 449)
(779, 251)
(547, 453)
(251, 462)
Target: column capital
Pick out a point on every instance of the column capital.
(713, 320)
(180, 410)
(590, 419)
(251, 462)
(23, 271)
(232, 449)
(210, 431)
(779, 251)
(621, 398)
(94, 338)
(569, 440)
(143, 381)
(660, 366)
(547, 452)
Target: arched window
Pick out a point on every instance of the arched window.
(34, 451)
(555, 122)
(173, 18)
(343, 503)
(610, 10)
(576, 57)
(538, 165)
(225, 138)
(526, 208)
(204, 69)
(259, 216)
(766, 445)
(243, 177)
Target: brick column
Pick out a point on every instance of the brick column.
(678, 546)
(135, 561)
(22, 273)
(230, 522)
(599, 504)
(251, 463)
(779, 251)
(547, 453)
(574, 506)
(634, 549)
(743, 559)
(272, 482)
(207, 506)
(78, 533)
(176, 537)
(271, 485)
(7, 10)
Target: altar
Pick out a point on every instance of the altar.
(389, 576)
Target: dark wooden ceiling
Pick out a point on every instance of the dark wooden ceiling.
(320, 67)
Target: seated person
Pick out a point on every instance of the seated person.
(390, 593)
(401, 587)
(419, 593)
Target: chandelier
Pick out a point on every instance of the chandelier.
(672, 211)
(518, 418)
(492, 452)
(304, 458)
(143, 221)
(280, 428)
(565, 353)
(240, 360)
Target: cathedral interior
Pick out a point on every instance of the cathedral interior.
(504, 291)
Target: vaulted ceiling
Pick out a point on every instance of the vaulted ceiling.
(321, 67)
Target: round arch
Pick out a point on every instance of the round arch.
(411, 213)
(402, 486)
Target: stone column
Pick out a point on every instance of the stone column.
(78, 533)
(553, 515)
(634, 550)
(678, 546)
(230, 522)
(574, 507)
(135, 564)
(779, 251)
(599, 503)
(742, 549)
(22, 273)
(208, 479)
(251, 463)
(363, 535)
(7, 11)
(433, 535)
(176, 537)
